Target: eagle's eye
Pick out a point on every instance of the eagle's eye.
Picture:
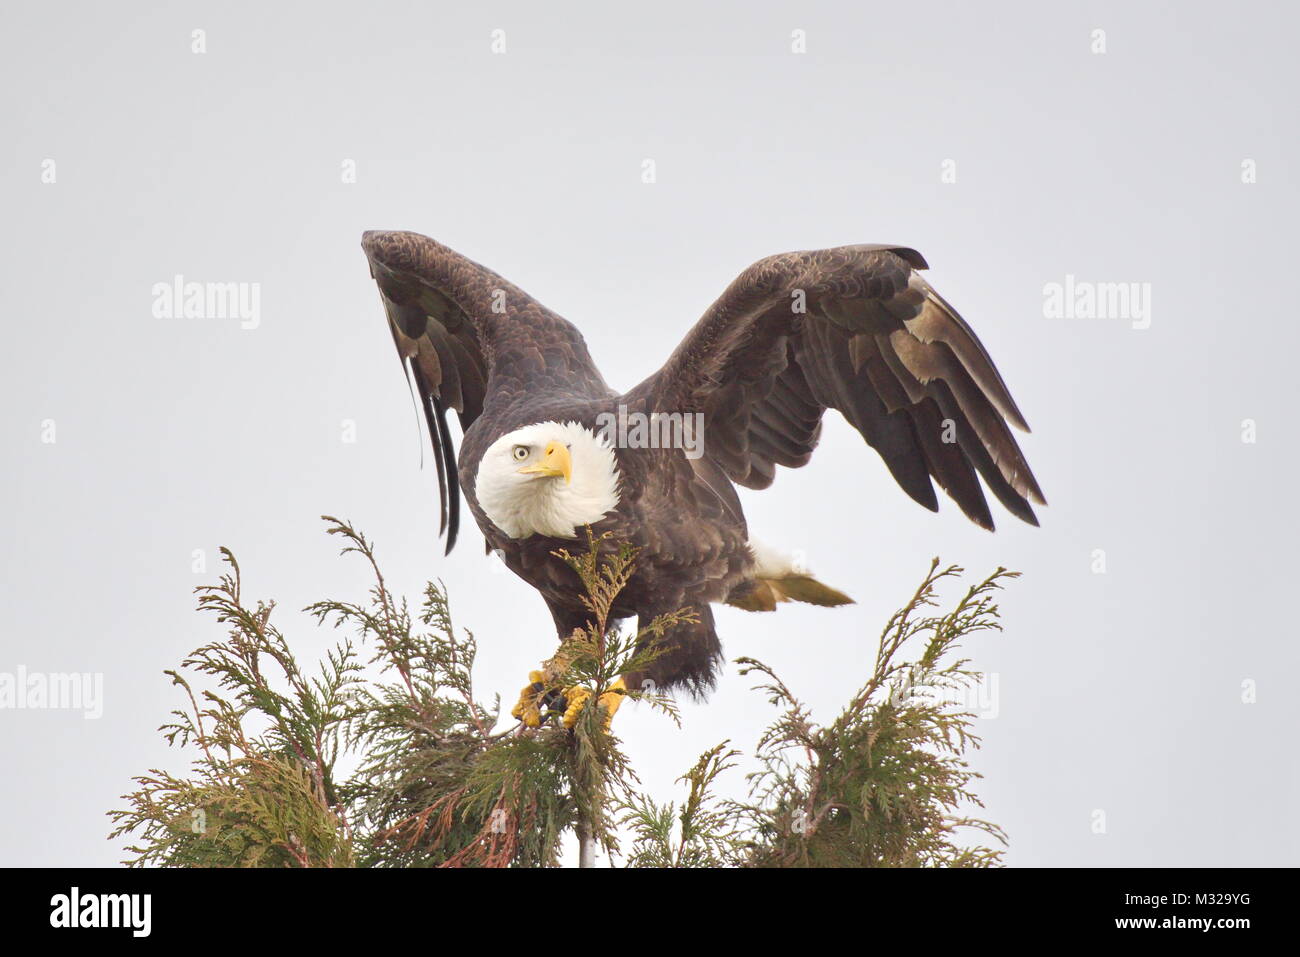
(520, 452)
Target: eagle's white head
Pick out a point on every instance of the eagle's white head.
(550, 478)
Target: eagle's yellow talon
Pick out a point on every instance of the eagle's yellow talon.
(577, 699)
(537, 697)
(528, 708)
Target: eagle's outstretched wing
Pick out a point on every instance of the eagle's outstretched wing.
(855, 329)
(461, 330)
(426, 288)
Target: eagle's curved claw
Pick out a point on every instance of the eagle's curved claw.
(538, 702)
(528, 708)
(576, 699)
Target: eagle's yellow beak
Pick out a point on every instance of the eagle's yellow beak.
(555, 462)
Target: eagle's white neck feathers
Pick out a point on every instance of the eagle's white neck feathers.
(526, 504)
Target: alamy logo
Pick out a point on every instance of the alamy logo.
(657, 430)
(76, 909)
(979, 697)
(55, 691)
(179, 299)
(1081, 299)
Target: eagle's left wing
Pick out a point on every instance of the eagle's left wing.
(855, 329)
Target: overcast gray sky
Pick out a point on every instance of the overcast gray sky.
(999, 141)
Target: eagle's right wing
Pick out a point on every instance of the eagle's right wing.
(429, 293)
(463, 332)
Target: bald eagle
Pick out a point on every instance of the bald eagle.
(855, 328)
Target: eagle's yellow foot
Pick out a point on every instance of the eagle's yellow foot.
(529, 707)
(576, 698)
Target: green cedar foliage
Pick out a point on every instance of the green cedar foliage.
(382, 755)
